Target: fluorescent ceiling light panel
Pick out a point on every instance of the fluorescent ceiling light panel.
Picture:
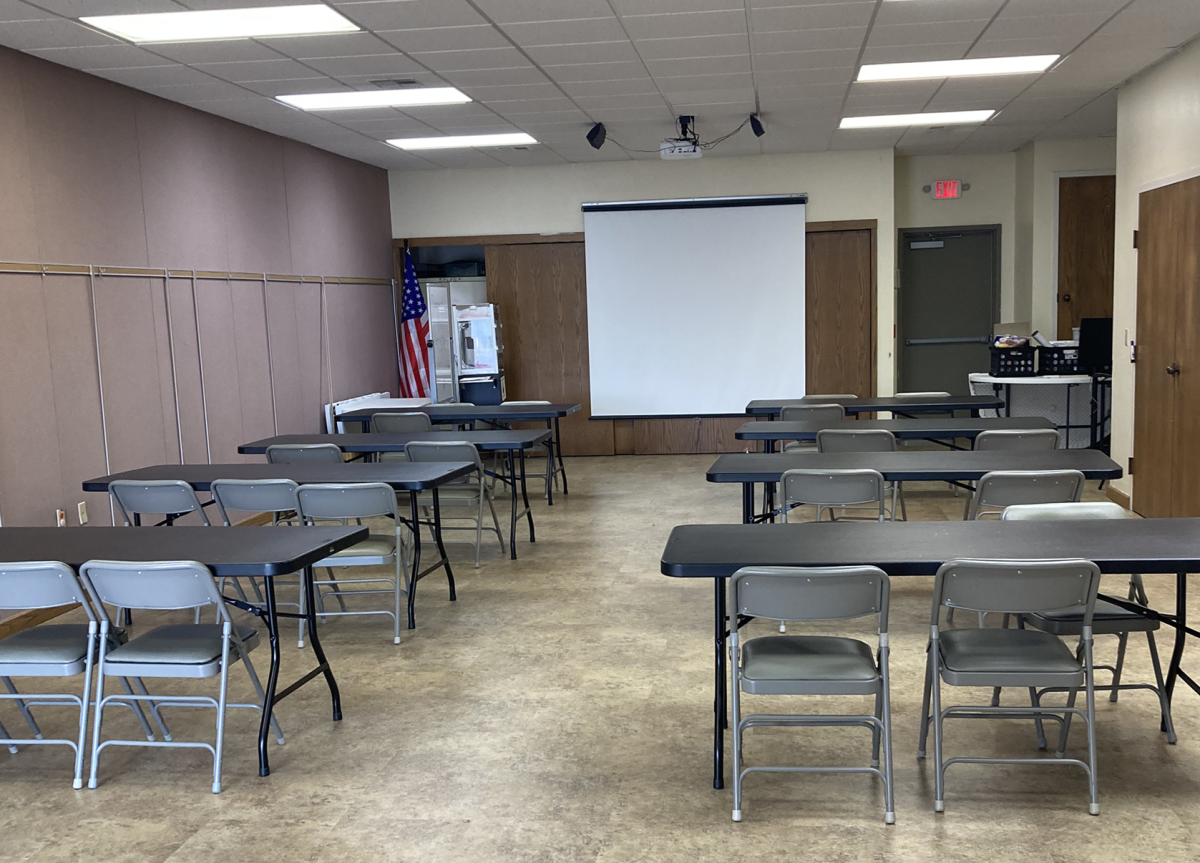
(956, 68)
(214, 24)
(510, 139)
(942, 118)
(375, 99)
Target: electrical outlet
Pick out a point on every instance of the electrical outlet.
(60, 517)
(82, 512)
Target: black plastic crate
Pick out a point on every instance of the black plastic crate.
(1012, 362)
(1057, 361)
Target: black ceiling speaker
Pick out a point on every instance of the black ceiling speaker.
(597, 136)
(756, 126)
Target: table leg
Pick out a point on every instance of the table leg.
(437, 536)
(550, 474)
(1180, 632)
(416, 563)
(719, 720)
(558, 447)
(747, 503)
(525, 500)
(310, 607)
(264, 726)
(512, 524)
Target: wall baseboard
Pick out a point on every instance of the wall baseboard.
(1117, 496)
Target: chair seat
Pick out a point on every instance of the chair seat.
(377, 549)
(808, 664)
(1007, 657)
(176, 644)
(1109, 619)
(55, 645)
(800, 446)
(452, 494)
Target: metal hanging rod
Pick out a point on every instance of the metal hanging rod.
(17, 268)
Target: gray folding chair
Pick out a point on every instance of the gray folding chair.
(170, 497)
(1004, 488)
(398, 423)
(186, 650)
(340, 502)
(817, 413)
(867, 440)
(1018, 440)
(811, 664)
(832, 489)
(553, 469)
(1010, 657)
(299, 453)
(470, 493)
(1108, 618)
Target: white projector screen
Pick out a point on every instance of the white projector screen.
(694, 306)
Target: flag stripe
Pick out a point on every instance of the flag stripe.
(414, 333)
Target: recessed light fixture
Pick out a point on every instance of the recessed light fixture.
(375, 99)
(446, 142)
(956, 68)
(211, 24)
(943, 118)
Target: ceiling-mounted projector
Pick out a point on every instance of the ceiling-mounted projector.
(679, 148)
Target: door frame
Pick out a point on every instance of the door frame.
(1058, 175)
(902, 237)
(871, 225)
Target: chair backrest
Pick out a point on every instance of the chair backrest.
(298, 453)
(831, 488)
(399, 423)
(812, 413)
(849, 440)
(1071, 511)
(168, 496)
(447, 450)
(1016, 586)
(931, 394)
(41, 584)
(819, 593)
(253, 495)
(340, 500)
(161, 585)
(1004, 488)
(1018, 440)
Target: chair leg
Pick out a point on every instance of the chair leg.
(924, 736)
(479, 525)
(1122, 640)
(12, 747)
(221, 701)
(21, 706)
(401, 568)
(889, 816)
(162, 724)
(875, 734)
(337, 589)
(1090, 687)
(1037, 720)
(302, 622)
(1165, 705)
(735, 719)
(1066, 725)
(81, 740)
(939, 800)
(496, 522)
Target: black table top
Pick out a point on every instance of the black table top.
(486, 440)
(401, 475)
(770, 407)
(911, 465)
(261, 551)
(920, 547)
(466, 413)
(940, 428)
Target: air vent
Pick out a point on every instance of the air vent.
(395, 83)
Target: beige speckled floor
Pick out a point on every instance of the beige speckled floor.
(560, 711)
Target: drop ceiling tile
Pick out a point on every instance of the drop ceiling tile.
(1027, 109)
(710, 97)
(816, 17)
(554, 133)
(692, 46)
(496, 77)
(226, 4)
(627, 87)
(933, 13)
(658, 7)
(469, 38)
(864, 139)
(391, 65)
(515, 92)
(15, 10)
(560, 108)
(474, 126)
(460, 61)
(729, 64)
(247, 110)
(566, 32)
(1070, 27)
(677, 24)
(205, 92)
(1035, 8)
(381, 128)
(794, 78)
(806, 137)
(808, 40)
(807, 91)
(55, 33)
(462, 158)
(1162, 24)
(535, 155)
(518, 11)
(623, 115)
(272, 89)
(584, 152)
(704, 109)
(232, 51)
(685, 83)
(791, 60)
(859, 106)
(915, 53)
(989, 47)
(151, 76)
(1000, 88)
(257, 70)
(330, 45)
(75, 8)
(116, 56)
(367, 82)
(592, 52)
(582, 72)
(905, 90)
(433, 113)
(410, 14)
(742, 144)
(924, 34)
(603, 103)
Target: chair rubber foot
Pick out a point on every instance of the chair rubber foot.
(889, 818)
(12, 749)
(216, 788)
(396, 640)
(737, 814)
(39, 736)
(77, 784)
(92, 783)
(1093, 809)
(921, 753)
(939, 805)
(874, 762)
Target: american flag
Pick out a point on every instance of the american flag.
(414, 333)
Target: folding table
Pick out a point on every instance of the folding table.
(939, 429)
(1139, 545)
(227, 551)
(905, 405)
(513, 441)
(413, 477)
(903, 466)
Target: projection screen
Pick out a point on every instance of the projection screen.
(695, 306)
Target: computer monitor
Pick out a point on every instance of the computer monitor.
(1095, 346)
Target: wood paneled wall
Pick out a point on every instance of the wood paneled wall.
(1086, 224)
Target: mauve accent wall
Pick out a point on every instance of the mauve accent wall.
(92, 172)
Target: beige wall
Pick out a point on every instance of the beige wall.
(94, 173)
(841, 185)
(1158, 142)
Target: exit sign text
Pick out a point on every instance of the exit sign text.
(945, 189)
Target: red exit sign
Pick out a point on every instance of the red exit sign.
(946, 189)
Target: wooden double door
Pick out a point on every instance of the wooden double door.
(540, 289)
(1166, 481)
